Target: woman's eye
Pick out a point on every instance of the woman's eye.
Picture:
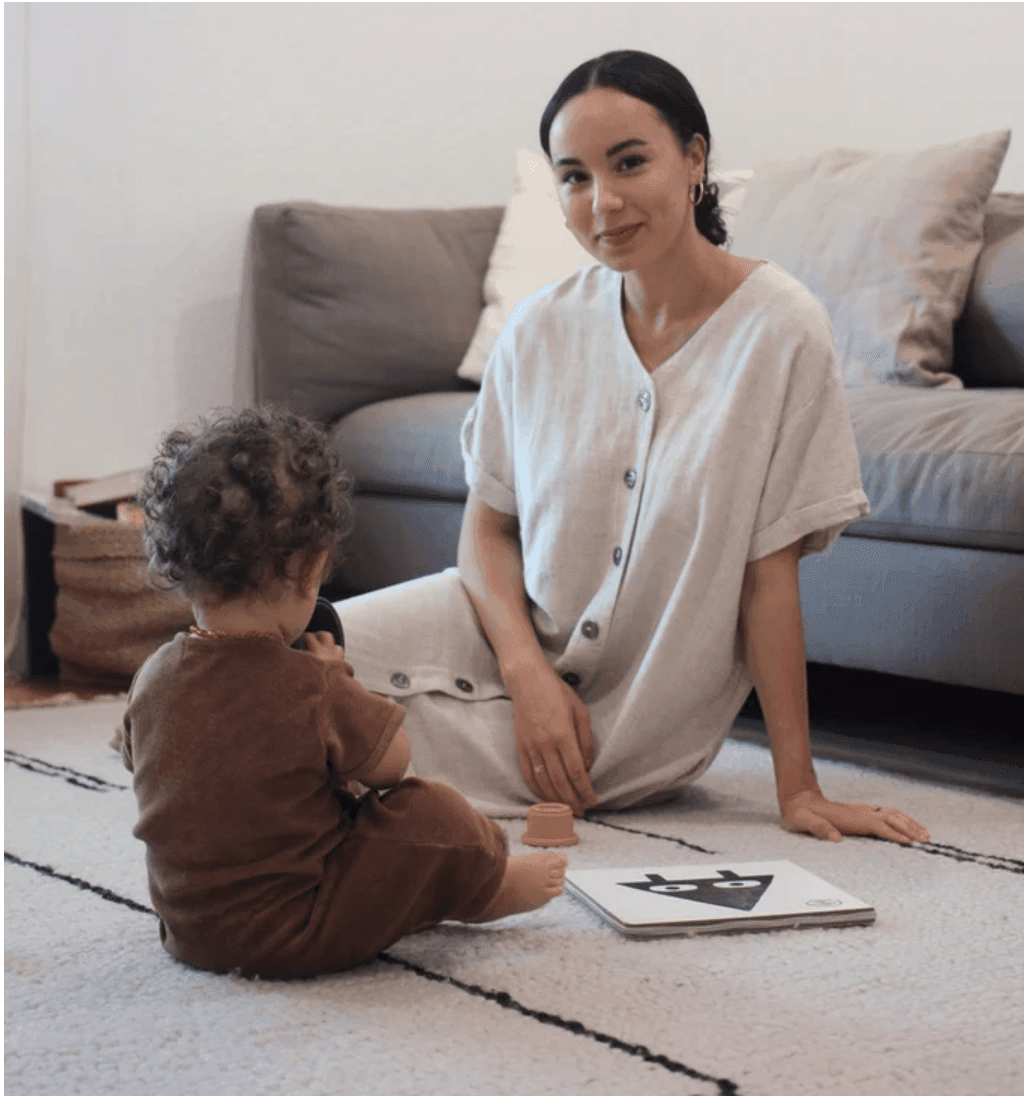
(571, 178)
(630, 162)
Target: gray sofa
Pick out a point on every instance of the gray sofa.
(361, 318)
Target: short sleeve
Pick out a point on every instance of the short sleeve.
(488, 434)
(359, 726)
(812, 488)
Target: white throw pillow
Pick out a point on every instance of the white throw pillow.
(887, 241)
(534, 248)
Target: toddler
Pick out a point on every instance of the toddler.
(246, 751)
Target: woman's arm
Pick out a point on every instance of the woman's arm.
(491, 569)
(551, 724)
(771, 631)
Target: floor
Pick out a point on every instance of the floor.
(949, 734)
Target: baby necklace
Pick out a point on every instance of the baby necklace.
(221, 634)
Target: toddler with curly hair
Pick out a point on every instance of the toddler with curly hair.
(264, 856)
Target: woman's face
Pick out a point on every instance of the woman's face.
(623, 182)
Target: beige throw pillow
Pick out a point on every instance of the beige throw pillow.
(534, 248)
(886, 240)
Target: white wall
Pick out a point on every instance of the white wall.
(16, 282)
(154, 129)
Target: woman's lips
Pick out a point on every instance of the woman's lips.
(620, 236)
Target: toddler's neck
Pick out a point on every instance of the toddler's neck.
(238, 617)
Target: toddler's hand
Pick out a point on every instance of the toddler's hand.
(323, 647)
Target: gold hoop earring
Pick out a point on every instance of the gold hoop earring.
(698, 193)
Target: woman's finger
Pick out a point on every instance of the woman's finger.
(546, 782)
(884, 830)
(530, 771)
(584, 735)
(575, 769)
(553, 782)
(893, 821)
(894, 825)
(909, 826)
(806, 820)
(538, 778)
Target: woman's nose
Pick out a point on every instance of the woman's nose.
(604, 197)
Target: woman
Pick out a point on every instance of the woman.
(657, 441)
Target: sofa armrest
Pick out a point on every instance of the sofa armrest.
(352, 306)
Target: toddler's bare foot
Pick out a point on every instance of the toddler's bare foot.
(530, 881)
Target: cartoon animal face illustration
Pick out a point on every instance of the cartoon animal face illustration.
(728, 889)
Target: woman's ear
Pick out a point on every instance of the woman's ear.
(697, 153)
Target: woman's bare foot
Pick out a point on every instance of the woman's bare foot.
(530, 881)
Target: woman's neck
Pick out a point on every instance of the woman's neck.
(678, 288)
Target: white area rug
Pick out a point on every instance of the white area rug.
(928, 1000)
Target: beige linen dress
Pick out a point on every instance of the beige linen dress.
(641, 498)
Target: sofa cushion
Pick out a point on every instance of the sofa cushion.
(942, 466)
(990, 333)
(406, 447)
(353, 305)
(886, 240)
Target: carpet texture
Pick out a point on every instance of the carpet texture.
(928, 1000)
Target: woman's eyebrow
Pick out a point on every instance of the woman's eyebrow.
(609, 153)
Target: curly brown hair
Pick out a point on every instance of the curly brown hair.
(230, 500)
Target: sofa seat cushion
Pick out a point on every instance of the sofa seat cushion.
(942, 466)
(409, 446)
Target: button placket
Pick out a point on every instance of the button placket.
(645, 402)
(602, 606)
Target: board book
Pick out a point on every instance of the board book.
(650, 901)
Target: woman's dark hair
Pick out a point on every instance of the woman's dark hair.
(646, 77)
(230, 500)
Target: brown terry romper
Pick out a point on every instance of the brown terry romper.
(259, 859)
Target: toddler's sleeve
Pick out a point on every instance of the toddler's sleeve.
(359, 725)
(488, 434)
(812, 488)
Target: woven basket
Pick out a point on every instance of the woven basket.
(108, 617)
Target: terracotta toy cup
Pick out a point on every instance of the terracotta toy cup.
(550, 825)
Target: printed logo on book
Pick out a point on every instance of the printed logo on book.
(728, 889)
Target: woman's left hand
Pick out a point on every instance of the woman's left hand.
(811, 812)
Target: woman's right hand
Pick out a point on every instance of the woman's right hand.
(553, 740)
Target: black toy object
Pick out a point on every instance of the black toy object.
(324, 620)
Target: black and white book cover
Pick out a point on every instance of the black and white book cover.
(648, 901)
